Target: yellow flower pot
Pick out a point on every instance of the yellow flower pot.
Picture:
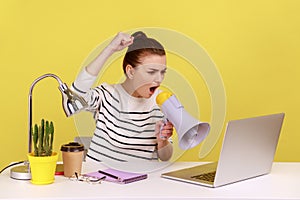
(42, 168)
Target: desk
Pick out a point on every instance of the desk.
(282, 183)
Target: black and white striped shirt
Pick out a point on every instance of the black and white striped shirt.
(125, 125)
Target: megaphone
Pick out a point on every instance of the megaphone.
(190, 131)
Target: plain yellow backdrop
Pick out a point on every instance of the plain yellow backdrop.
(254, 44)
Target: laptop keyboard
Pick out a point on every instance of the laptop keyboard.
(210, 177)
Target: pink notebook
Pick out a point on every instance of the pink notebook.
(117, 176)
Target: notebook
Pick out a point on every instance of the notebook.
(248, 151)
(117, 176)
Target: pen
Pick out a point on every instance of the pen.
(110, 175)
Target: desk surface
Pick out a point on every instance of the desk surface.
(282, 183)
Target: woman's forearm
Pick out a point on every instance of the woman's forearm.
(164, 150)
(96, 65)
(120, 41)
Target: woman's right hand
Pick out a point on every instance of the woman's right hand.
(120, 41)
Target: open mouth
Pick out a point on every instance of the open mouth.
(152, 89)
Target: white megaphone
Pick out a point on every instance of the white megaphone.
(190, 131)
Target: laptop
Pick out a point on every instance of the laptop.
(248, 151)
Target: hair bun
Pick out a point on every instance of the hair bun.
(139, 34)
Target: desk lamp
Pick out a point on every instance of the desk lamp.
(71, 102)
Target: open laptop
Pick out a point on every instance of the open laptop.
(248, 151)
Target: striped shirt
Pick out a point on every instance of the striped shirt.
(125, 125)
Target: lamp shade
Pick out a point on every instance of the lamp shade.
(72, 103)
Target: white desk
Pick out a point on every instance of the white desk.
(282, 183)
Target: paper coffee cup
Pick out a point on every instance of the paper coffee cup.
(72, 155)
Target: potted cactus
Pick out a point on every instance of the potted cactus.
(43, 160)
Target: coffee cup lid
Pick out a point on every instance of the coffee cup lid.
(72, 147)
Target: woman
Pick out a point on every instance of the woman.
(128, 120)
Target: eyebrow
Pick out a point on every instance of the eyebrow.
(153, 69)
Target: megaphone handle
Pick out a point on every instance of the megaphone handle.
(161, 128)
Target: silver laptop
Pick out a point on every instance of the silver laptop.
(248, 151)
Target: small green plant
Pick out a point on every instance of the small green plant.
(42, 136)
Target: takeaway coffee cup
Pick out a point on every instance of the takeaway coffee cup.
(72, 155)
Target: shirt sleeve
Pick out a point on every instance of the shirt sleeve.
(83, 82)
(82, 86)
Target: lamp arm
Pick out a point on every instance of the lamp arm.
(42, 77)
(61, 84)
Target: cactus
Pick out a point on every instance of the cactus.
(42, 137)
(35, 139)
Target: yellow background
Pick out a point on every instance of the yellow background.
(255, 45)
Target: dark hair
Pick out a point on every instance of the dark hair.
(141, 46)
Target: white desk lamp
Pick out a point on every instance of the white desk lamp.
(71, 102)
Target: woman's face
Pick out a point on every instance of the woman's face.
(148, 76)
